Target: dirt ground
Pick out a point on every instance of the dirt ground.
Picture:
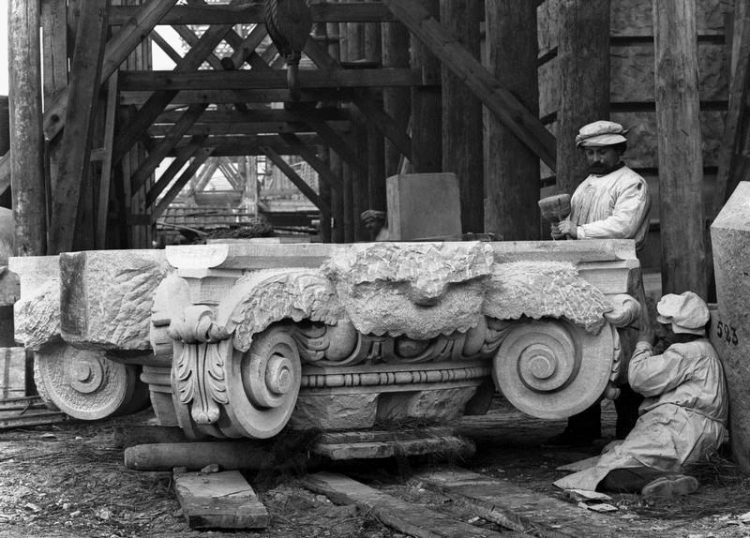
(69, 480)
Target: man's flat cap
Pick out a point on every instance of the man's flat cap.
(601, 133)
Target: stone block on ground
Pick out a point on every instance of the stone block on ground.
(730, 331)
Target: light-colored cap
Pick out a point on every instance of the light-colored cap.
(601, 133)
(687, 313)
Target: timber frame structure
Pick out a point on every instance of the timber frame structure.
(383, 83)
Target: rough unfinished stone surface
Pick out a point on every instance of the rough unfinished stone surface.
(417, 290)
(264, 297)
(107, 295)
(335, 410)
(730, 239)
(544, 289)
(37, 313)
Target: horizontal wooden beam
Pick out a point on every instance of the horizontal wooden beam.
(231, 146)
(237, 128)
(250, 80)
(226, 97)
(253, 13)
(262, 115)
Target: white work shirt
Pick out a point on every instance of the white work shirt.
(683, 417)
(613, 206)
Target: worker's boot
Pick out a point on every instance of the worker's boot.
(669, 486)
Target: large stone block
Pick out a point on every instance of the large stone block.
(422, 206)
(106, 297)
(730, 334)
(37, 312)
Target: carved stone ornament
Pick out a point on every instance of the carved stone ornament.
(382, 332)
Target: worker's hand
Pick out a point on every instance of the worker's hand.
(555, 232)
(568, 228)
(373, 219)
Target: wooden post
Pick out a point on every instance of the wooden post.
(324, 191)
(426, 104)
(375, 140)
(54, 16)
(681, 211)
(583, 66)
(79, 117)
(462, 115)
(396, 101)
(512, 181)
(334, 160)
(27, 139)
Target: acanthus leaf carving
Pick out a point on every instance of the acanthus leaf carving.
(199, 364)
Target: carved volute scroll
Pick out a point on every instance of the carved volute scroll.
(85, 384)
(225, 392)
(554, 369)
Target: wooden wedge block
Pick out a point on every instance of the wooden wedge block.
(219, 500)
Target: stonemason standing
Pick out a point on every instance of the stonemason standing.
(611, 203)
(684, 414)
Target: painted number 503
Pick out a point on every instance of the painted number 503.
(727, 333)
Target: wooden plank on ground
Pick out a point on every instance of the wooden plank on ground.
(517, 507)
(402, 516)
(219, 500)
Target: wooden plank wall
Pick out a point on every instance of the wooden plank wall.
(632, 90)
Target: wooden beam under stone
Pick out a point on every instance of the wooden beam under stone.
(85, 76)
(253, 14)
(499, 100)
(289, 172)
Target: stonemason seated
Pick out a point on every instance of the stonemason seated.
(683, 417)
